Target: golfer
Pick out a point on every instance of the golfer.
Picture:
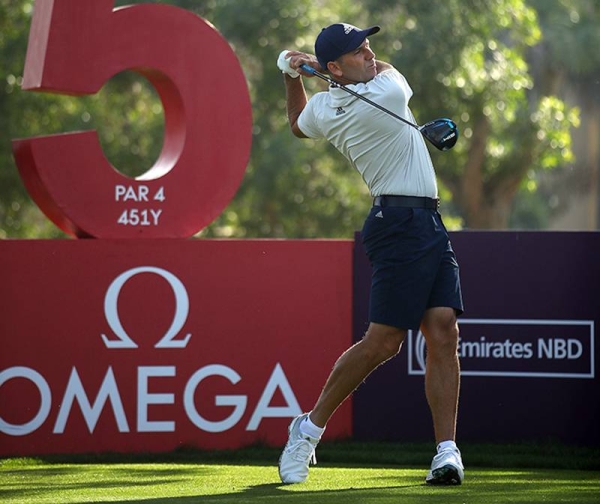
(415, 283)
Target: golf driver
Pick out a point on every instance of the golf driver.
(442, 133)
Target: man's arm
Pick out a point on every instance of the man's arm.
(295, 102)
(295, 93)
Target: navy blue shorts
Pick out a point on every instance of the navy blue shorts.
(414, 266)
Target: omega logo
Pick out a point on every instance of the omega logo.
(182, 307)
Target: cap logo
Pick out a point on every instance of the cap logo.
(348, 28)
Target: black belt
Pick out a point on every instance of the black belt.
(407, 201)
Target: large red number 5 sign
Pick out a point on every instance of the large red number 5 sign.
(75, 46)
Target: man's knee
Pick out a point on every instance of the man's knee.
(383, 342)
(441, 331)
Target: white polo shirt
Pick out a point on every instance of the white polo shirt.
(391, 156)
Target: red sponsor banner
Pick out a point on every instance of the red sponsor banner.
(151, 345)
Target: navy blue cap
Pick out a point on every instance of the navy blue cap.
(338, 39)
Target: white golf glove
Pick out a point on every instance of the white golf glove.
(284, 65)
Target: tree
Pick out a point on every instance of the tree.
(467, 59)
(563, 65)
(127, 114)
(292, 188)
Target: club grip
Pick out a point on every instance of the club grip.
(307, 68)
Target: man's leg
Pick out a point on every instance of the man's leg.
(442, 376)
(442, 383)
(379, 344)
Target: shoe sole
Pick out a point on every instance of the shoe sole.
(447, 475)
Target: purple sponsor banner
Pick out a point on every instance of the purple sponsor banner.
(518, 348)
(527, 345)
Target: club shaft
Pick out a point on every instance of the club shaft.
(333, 83)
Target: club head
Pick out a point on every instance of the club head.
(442, 133)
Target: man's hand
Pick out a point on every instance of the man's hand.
(283, 63)
(289, 62)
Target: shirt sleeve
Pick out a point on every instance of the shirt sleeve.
(394, 85)
(307, 120)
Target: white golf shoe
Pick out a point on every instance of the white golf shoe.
(297, 455)
(446, 468)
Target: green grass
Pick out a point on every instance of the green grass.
(347, 473)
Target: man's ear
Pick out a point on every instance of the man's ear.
(334, 69)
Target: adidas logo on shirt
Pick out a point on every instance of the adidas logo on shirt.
(340, 111)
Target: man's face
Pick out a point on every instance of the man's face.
(357, 65)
